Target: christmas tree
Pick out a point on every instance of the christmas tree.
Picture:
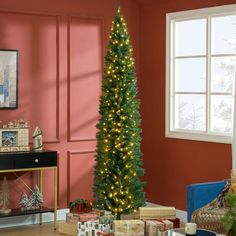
(24, 202)
(36, 198)
(229, 217)
(117, 186)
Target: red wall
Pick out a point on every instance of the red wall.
(171, 164)
(61, 49)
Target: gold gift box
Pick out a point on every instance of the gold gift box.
(128, 227)
(66, 228)
(157, 212)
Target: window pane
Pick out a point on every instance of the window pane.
(190, 37)
(222, 74)
(190, 75)
(224, 34)
(190, 112)
(221, 113)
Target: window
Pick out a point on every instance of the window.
(200, 74)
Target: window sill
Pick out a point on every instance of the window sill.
(199, 137)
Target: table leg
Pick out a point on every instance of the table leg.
(41, 190)
(55, 198)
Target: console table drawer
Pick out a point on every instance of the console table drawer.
(11, 162)
(6, 163)
(35, 161)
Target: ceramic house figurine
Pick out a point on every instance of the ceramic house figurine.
(38, 140)
(4, 197)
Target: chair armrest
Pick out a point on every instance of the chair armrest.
(200, 194)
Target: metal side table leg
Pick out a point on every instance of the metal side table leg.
(41, 190)
(55, 198)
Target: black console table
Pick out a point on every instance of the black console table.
(31, 161)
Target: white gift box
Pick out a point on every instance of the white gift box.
(91, 228)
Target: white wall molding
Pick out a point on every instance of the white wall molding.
(31, 219)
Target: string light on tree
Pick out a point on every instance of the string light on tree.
(117, 186)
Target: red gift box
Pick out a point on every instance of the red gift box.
(80, 206)
(103, 234)
(88, 217)
(72, 218)
(167, 224)
(176, 222)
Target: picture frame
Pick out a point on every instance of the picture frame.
(14, 136)
(8, 78)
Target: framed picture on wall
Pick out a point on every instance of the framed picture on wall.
(8, 79)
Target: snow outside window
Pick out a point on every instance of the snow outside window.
(200, 74)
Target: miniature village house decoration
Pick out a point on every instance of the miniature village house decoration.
(14, 136)
(37, 140)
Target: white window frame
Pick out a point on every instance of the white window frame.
(180, 16)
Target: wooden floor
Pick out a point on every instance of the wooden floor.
(31, 230)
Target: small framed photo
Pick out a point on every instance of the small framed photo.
(8, 79)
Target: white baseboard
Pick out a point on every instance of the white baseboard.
(31, 219)
(182, 215)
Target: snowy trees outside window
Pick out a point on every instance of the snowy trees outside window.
(201, 73)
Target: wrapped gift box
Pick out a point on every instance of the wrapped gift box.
(87, 228)
(72, 218)
(157, 227)
(75, 218)
(88, 225)
(129, 234)
(154, 227)
(157, 212)
(91, 228)
(88, 217)
(80, 206)
(175, 221)
(128, 227)
(167, 224)
(69, 229)
(103, 234)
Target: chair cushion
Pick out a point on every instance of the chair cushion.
(210, 219)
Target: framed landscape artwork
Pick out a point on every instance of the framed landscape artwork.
(8, 79)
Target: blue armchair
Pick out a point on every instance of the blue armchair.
(200, 194)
